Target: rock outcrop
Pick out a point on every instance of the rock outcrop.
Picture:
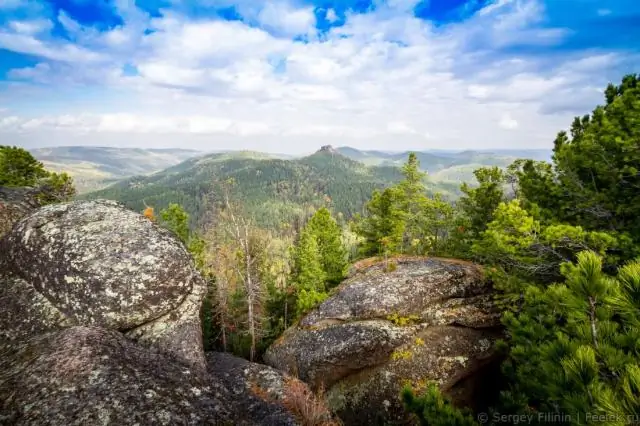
(15, 203)
(429, 320)
(93, 376)
(256, 384)
(99, 324)
(96, 263)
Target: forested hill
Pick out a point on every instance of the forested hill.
(273, 191)
(95, 167)
(447, 166)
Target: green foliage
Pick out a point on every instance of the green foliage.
(433, 409)
(404, 218)
(271, 191)
(19, 168)
(383, 227)
(94, 167)
(309, 299)
(524, 247)
(308, 274)
(595, 177)
(176, 219)
(333, 255)
(575, 346)
(478, 204)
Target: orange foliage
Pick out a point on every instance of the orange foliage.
(305, 405)
(149, 214)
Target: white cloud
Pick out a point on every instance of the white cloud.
(604, 12)
(32, 27)
(284, 18)
(394, 81)
(493, 6)
(478, 91)
(398, 127)
(25, 43)
(331, 15)
(507, 122)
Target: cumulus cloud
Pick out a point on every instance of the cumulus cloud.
(507, 122)
(382, 79)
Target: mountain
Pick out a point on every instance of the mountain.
(273, 191)
(447, 166)
(97, 167)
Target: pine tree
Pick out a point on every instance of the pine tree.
(333, 255)
(415, 204)
(308, 273)
(575, 346)
(384, 219)
(19, 168)
(479, 203)
(433, 409)
(176, 219)
(595, 176)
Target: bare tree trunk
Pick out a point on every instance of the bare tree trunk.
(250, 293)
(592, 317)
(242, 236)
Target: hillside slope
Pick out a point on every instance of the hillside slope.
(273, 191)
(97, 167)
(447, 166)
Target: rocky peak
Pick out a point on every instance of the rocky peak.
(328, 149)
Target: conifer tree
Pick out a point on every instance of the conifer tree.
(574, 346)
(384, 219)
(19, 168)
(309, 275)
(433, 409)
(328, 235)
(479, 203)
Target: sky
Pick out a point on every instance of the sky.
(289, 76)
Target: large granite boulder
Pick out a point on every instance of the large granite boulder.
(96, 263)
(15, 203)
(248, 381)
(428, 320)
(99, 324)
(93, 376)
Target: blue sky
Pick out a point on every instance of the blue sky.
(291, 75)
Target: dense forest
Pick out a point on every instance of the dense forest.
(559, 240)
(276, 193)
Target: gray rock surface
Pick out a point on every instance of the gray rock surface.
(15, 203)
(429, 320)
(96, 263)
(93, 376)
(99, 325)
(255, 384)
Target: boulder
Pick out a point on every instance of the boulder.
(430, 319)
(94, 376)
(16, 203)
(95, 263)
(257, 384)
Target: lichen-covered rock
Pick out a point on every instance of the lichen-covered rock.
(429, 320)
(255, 384)
(93, 376)
(15, 203)
(96, 263)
